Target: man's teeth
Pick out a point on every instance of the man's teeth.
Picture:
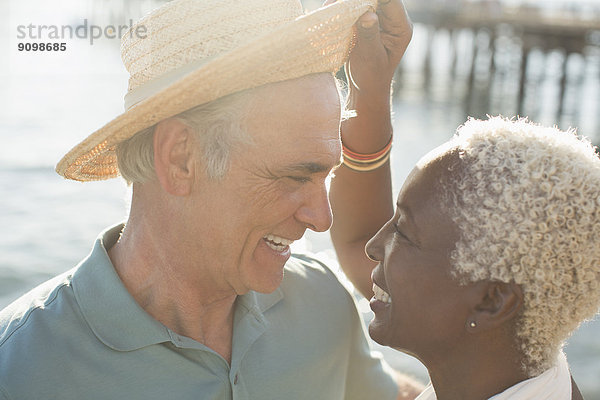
(381, 295)
(277, 243)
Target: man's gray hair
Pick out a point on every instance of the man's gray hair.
(218, 126)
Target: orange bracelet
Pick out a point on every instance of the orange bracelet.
(360, 157)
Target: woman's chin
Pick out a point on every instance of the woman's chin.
(377, 332)
(381, 334)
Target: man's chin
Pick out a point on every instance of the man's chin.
(271, 285)
(268, 268)
(262, 279)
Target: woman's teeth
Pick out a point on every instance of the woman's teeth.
(381, 295)
(277, 243)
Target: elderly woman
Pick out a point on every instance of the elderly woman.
(490, 261)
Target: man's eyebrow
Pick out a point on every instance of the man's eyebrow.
(306, 167)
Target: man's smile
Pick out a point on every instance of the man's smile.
(277, 243)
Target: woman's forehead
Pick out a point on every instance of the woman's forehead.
(439, 154)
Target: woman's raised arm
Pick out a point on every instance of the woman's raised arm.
(361, 192)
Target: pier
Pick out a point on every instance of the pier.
(506, 57)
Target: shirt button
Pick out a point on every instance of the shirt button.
(235, 379)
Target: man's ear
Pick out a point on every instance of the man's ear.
(173, 156)
(495, 304)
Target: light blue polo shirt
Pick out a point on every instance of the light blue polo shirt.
(82, 336)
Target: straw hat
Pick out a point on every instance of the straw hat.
(195, 51)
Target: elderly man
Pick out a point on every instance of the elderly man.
(231, 130)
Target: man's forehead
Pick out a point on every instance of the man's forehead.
(295, 126)
(297, 116)
(316, 88)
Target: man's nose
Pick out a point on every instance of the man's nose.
(315, 212)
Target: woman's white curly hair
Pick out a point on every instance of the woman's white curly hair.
(526, 200)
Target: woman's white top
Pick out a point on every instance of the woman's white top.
(553, 384)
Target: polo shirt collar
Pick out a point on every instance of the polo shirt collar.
(118, 320)
(111, 312)
(259, 303)
(249, 322)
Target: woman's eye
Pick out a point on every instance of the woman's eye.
(398, 233)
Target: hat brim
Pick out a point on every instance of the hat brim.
(313, 43)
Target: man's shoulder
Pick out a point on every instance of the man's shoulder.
(27, 310)
(311, 279)
(309, 268)
(37, 334)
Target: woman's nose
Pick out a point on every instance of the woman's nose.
(374, 247)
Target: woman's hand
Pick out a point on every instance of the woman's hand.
(381, 40)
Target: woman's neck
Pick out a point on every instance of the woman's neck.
(476, 373)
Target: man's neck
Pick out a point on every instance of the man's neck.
(157, 280)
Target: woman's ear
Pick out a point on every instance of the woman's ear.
(496, 303)
(173, 156)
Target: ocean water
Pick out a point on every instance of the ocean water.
(49, 102)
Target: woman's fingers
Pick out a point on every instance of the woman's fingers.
(368, 33)
(393, 17)
(396, 28)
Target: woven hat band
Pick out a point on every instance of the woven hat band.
(153, 87)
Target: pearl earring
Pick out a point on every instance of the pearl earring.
(472, 324)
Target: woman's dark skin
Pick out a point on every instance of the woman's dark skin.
(430, 311)
(382, 40)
